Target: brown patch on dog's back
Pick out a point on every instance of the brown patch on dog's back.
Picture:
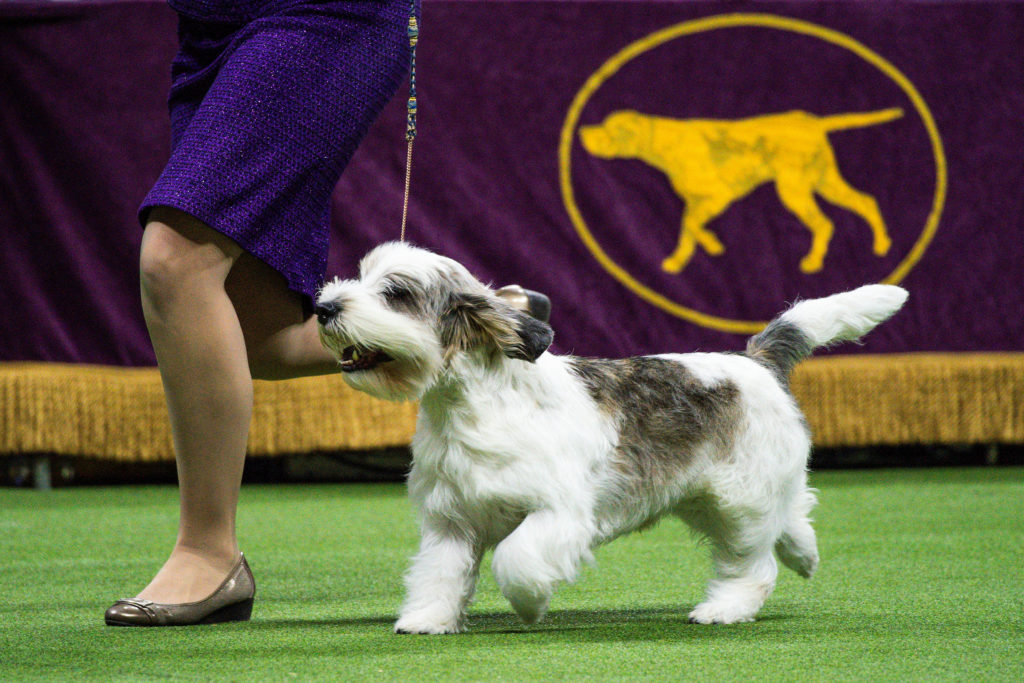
(662, 410)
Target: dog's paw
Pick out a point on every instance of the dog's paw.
(530, 606)
(422, 624)
(672, 265)
(811, 264)
(711, 243)
(721, 613)
(804, 565)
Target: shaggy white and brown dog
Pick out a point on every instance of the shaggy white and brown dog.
(545, 457)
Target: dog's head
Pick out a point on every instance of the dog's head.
(622, 134)
(410, 314)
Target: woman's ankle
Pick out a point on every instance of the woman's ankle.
(189, 575)
(220, 555)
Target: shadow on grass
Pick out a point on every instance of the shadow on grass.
(853, 478)
(653, 623)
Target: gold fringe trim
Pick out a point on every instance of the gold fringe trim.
(916, 398)
(119, 413)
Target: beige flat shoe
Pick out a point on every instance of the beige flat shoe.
(232, 601)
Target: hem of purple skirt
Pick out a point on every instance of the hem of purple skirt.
(308, 294)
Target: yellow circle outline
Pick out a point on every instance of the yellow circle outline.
(610, 67)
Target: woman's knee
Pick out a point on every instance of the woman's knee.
(178, 252)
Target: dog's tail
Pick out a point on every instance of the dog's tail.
(860, 119)
(795, 334)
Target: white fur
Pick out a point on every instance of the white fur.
(846, 316)
(518, 456)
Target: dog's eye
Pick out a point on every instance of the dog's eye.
(396, 293)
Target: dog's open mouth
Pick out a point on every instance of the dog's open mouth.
(354, 359)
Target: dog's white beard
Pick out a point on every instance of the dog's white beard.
(390, 382)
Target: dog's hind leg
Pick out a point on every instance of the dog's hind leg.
(797, 547)
(744, 567)
(546, 549)
(441, 581)
(835, 189)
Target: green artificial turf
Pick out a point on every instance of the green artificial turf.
(922, 578)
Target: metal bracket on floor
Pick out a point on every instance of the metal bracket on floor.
(41, 479)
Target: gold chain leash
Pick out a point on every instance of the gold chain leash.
(410, 121)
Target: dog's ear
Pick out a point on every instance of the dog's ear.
(474, 320)
(535, 336)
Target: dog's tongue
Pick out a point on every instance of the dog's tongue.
(353, 359)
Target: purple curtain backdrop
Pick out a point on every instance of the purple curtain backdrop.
(84, 131)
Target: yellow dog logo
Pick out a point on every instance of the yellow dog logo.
(713, 163)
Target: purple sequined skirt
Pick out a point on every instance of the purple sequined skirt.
(269, 100)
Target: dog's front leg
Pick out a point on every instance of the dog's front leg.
(441, 581)
(547, 548)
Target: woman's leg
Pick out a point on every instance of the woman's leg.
(201, 353)
(281, 341)
(217, 317)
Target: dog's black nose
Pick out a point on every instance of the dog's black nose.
(326, 311)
